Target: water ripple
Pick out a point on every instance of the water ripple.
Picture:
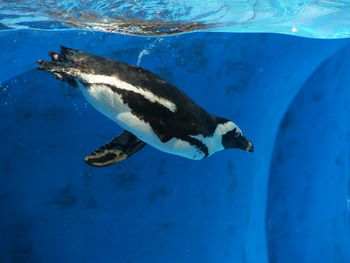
(309, 18)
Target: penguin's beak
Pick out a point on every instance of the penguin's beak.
(244, 144)
(250, 147)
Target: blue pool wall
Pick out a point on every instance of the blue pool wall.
(287, 202)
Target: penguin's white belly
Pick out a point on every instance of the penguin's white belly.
(111, 105)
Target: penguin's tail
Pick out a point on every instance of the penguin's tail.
(67, 55)
(67, 59)
(63, 66)
(59, 70)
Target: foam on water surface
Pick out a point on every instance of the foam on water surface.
(316, 19)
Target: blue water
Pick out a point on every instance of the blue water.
(287, 202)
(308, 18)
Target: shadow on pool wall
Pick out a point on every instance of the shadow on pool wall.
(308, 213)
(157, 207)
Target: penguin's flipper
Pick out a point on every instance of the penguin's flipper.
(117, 150)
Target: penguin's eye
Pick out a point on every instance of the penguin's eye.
(238, 132)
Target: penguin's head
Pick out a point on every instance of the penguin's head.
(235, 139)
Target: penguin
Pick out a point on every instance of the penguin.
(149, 109)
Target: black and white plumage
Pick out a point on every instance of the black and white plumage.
(146, 106)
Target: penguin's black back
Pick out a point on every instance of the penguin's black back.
(188, 119)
